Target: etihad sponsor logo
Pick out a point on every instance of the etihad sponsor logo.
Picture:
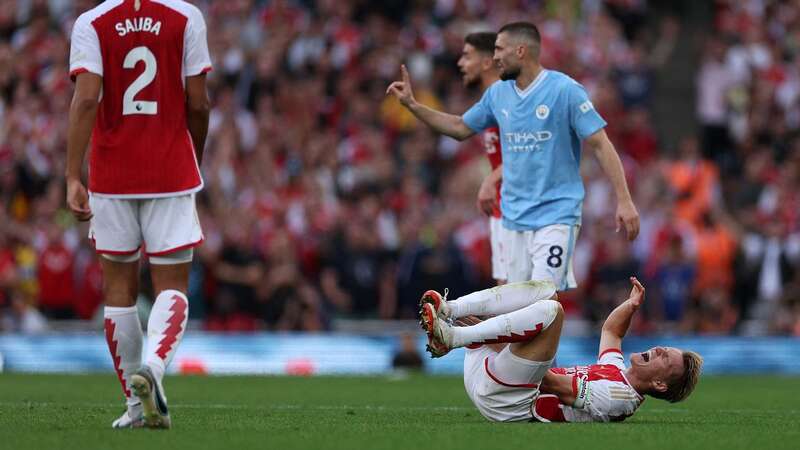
(528, 141)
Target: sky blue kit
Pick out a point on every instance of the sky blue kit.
(541, 129)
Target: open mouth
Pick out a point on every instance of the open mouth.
(646, 356)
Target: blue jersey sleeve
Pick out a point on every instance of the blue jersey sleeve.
(480, 116)
(583, 118)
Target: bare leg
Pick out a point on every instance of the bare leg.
(170, 276)
(120, 282)
(525, 364)
(544, 346)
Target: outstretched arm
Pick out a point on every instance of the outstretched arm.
(448, 124)
(627, 215)
(618, 322)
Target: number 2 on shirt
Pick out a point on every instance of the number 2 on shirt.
(129, 104)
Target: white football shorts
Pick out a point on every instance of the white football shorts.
(542, 255)
(496, 230)
(158, 226)
(502, 386)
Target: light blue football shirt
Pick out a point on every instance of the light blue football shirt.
(541, 129)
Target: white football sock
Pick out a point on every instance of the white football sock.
(165, 329)
(517, 326)
(124, 337)
(501, 299)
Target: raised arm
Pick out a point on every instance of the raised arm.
(618, 322)
(447, 124)
(627, 215)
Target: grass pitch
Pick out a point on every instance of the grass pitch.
(420, 412)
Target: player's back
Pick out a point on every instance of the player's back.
(143, 49)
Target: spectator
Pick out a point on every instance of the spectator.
(407, 357)
(237, 271)
(714, 81)
(357, 275)
(55, 276)
(693, 182)
(323, 197)
(673, 282)
(612, 269)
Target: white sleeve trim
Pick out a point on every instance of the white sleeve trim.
(196, 59)
(85, 54)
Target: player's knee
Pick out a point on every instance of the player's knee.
(122, 295)
(559, 311)
(553, 310)
(540, 289)
(176, 278)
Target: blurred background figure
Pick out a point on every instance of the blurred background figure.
(326, 201)
(407, 357)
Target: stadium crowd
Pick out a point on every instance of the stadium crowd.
(325, 199)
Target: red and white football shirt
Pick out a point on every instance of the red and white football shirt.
(141, 146)
(491, 144)
(602, 393)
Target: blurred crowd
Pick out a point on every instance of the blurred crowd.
(325, 199)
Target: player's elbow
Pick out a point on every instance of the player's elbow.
(602, 147)
(82, 104)
(596, 145)
(198, 106)
(462, 131)
(609, 328)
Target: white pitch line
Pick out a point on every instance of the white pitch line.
(368, 407)
(255, 407)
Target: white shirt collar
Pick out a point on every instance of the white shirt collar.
(531, 87)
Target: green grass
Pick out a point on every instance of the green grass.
(430, 413)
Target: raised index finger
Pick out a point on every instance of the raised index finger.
(404, 72)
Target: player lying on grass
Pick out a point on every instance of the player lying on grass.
(507, 371)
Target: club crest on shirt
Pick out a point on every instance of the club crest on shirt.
(542, 111)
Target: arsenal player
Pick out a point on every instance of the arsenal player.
(140, 95)
(479, 69)
(508, 357)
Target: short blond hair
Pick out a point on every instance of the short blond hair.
(683, 385)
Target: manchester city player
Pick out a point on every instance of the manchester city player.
(543, 115)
